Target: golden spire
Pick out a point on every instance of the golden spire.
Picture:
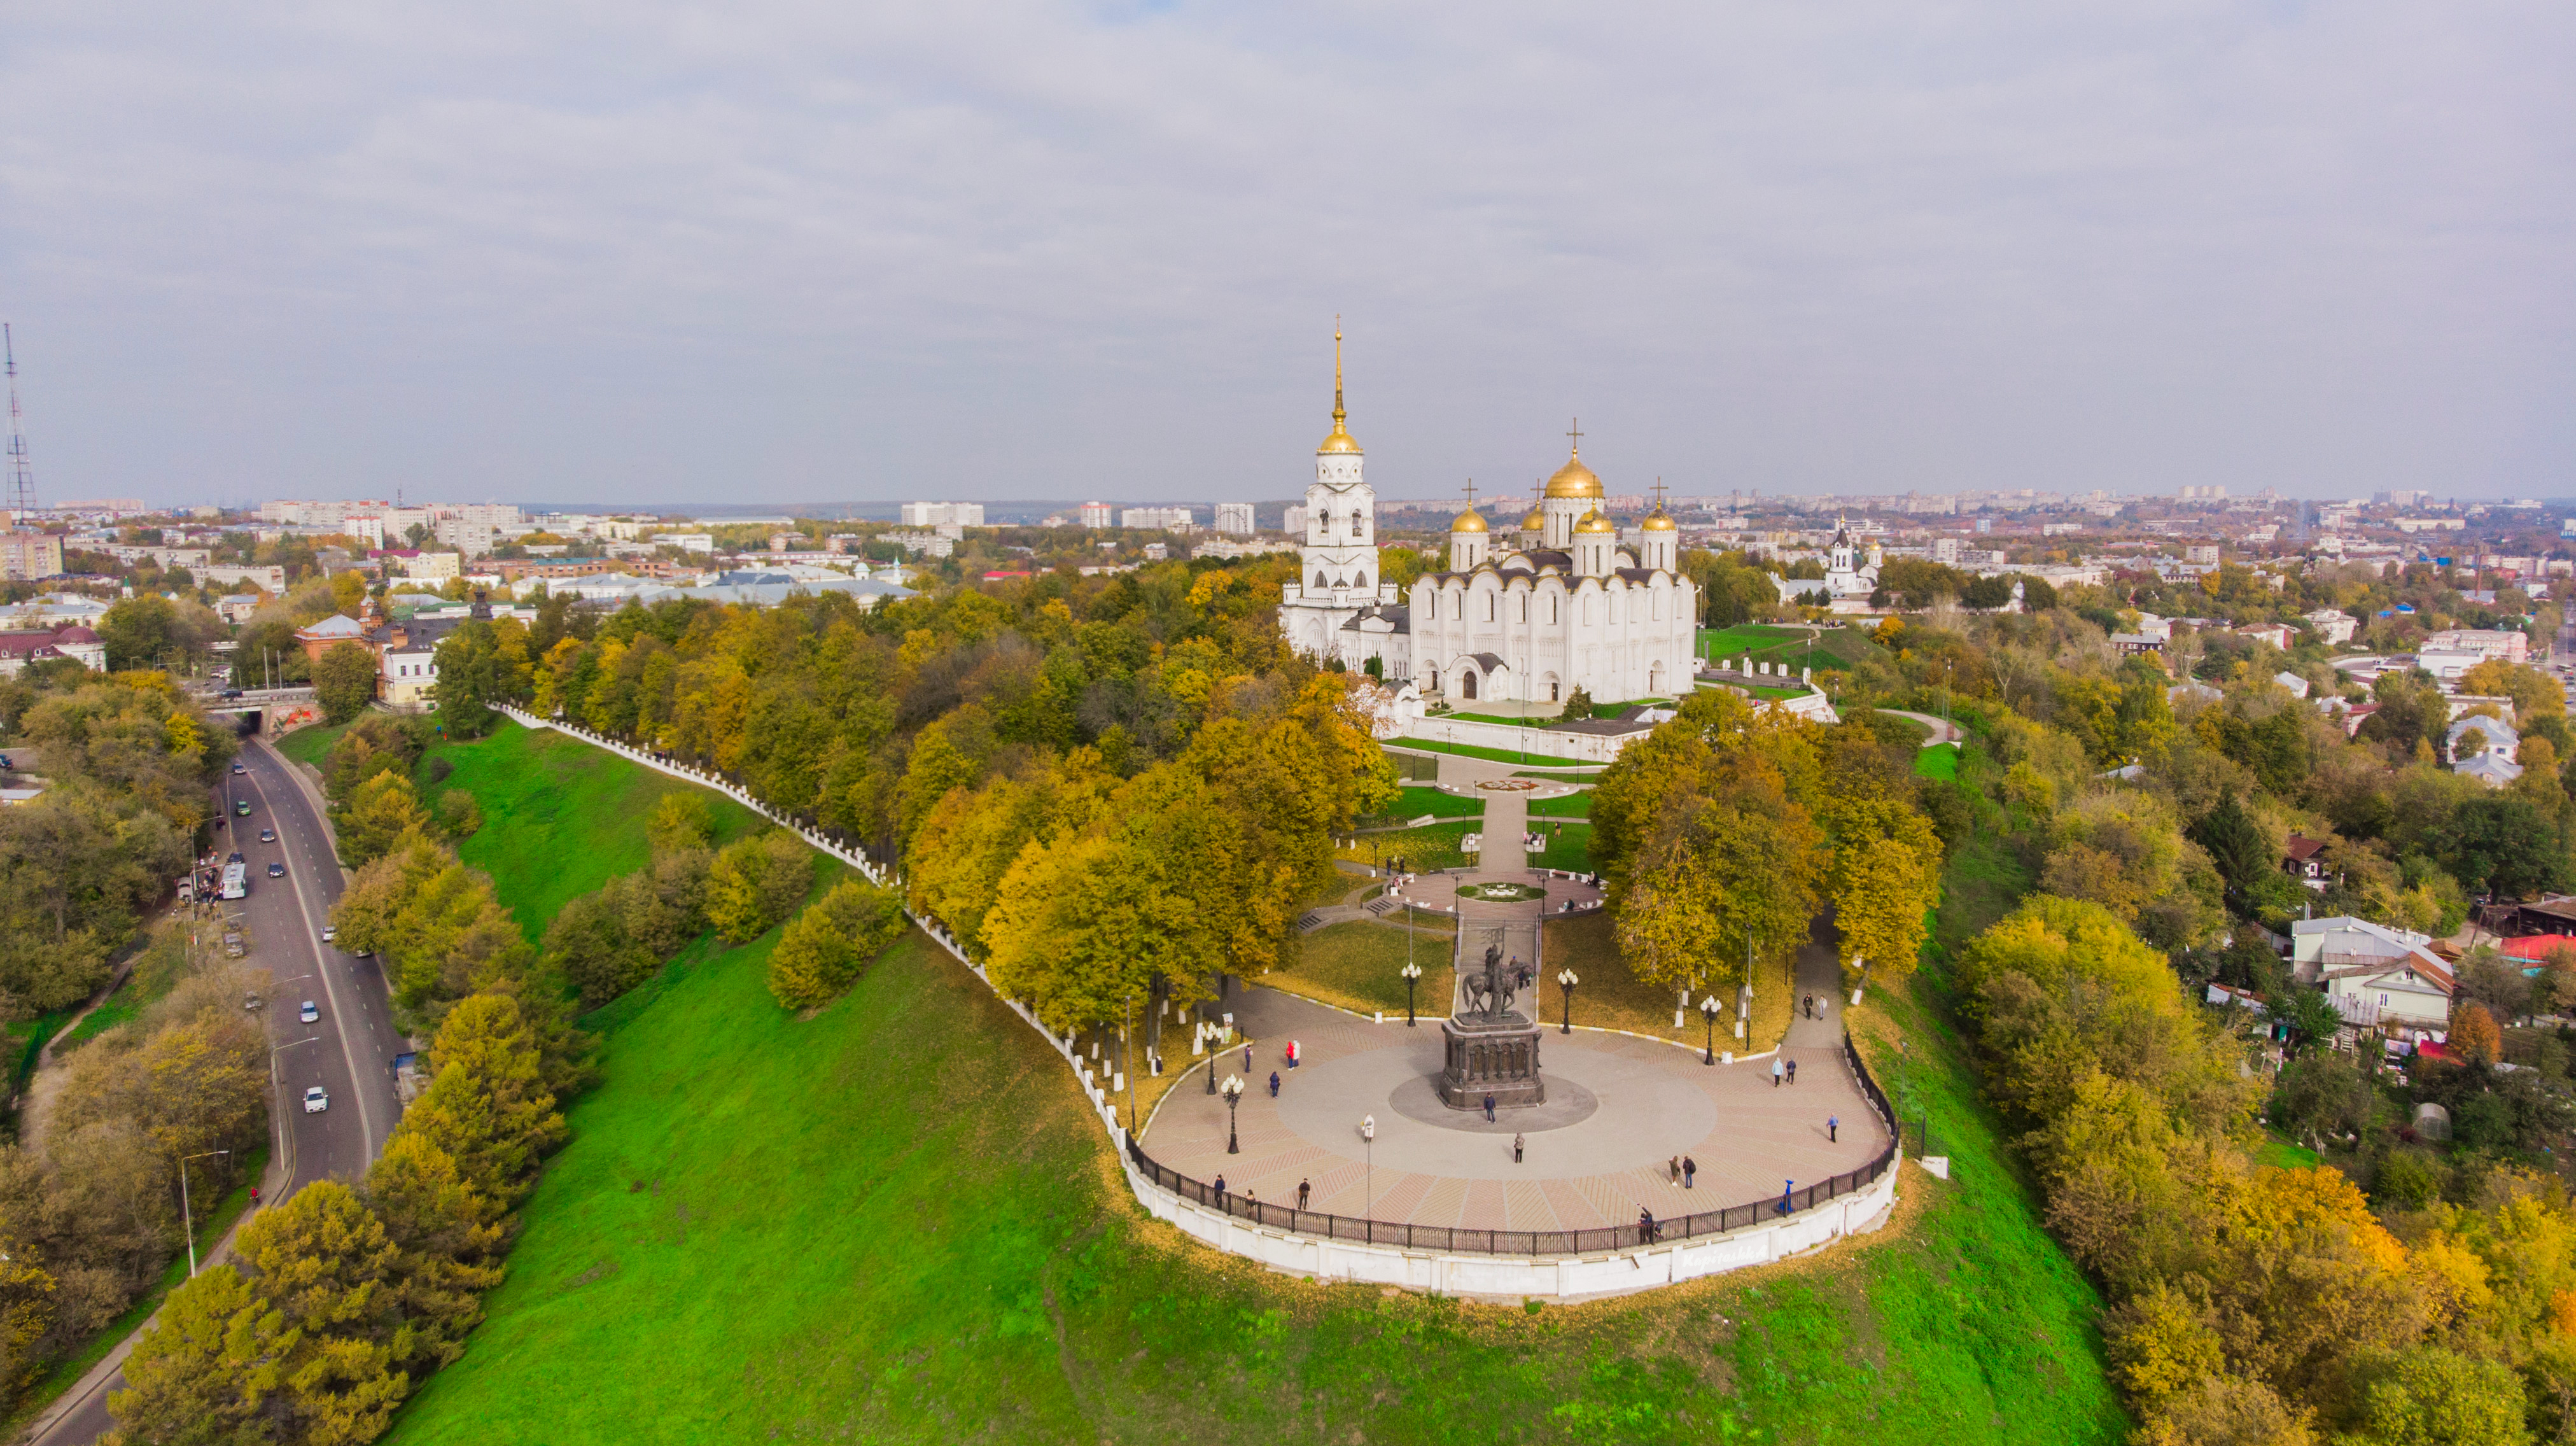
(1341, 439)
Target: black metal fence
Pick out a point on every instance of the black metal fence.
(1457, 1240)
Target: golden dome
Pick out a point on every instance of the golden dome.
(1659, 523)
(1592, 521)
(1574, 480)
(1535, 522)
(1467, 521)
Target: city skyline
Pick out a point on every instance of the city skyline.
(825, 257)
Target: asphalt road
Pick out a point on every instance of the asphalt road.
(349, 1051)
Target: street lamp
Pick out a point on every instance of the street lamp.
(1368, 1176)
(1412, 973)
(1233, 1097)
(1567, 979)
(187, 1219)
(1708, 1007)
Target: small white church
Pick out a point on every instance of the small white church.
(1525, 616)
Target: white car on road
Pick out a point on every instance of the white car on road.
(309, 1013)
(316, 1100)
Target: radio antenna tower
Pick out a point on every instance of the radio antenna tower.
(22, 480)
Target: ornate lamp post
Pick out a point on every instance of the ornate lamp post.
(1708, 1007)
(1567, 979)
(1368, 1176)
(1233, 1097)
(1412, 973)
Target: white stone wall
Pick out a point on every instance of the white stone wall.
(1511, 1277)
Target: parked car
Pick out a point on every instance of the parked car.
(276, 870)
(330, 932)
(316, 1100)
(309, 1013)
(268, 835)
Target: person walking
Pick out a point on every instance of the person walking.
(1793, 1071)
(1516, 1149)
(1274, 1084)
(1247, 1056)
(1673, 1170)
(1220, 1189)
(1833, 1127)
(1690, 1167)
(1489, 1109)
(1807, 1006)
(1775, 1072)
(1305, 1192)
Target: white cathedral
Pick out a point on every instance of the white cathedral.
(1522, 617)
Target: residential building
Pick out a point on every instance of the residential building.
(943, 514)
(2305, 859)
(2494, 736)
(1096, 514)
(1234, 519)
(25, 554)
(329, 633)
(2332, 625)
(2492, 769)
(18, 649)
(1169, 519)
(2373, 974)
(270, 579)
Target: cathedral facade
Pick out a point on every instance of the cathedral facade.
(1525, 617)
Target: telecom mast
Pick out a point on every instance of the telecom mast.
(22, 480)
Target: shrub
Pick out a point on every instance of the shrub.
(830, 945)
(755, 883)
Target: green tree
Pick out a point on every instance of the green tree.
(469, 680)
(756, 883)
(379, 814)
(682, 820)
(825, 950)
(2433, 1397)
(344, 680)
(487, 1106)
(204, 1371)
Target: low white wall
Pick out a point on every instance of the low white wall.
(1537, 742)
(1515, 1277)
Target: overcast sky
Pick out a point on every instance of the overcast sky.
(641, 252)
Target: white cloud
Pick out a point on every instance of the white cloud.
(806, 252)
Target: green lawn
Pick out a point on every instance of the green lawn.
(1569, 847)
(1413, 803)
(1359, 967)
(157, 970)
(1572, 805)
(897, 1222)
(1941, 762)
(1434, 846)
(560, 817)
(308, 744)
(1755, 638)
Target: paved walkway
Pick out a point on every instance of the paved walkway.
(1619, 1108)
(1941, 732)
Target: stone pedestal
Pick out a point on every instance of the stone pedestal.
(1491, 1055)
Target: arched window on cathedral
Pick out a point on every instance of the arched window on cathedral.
(1355, 524)
(1489, 607)
(1524, 607)
(1360, 581)
(1551, 609)
(1319, 580)
(1324, 524)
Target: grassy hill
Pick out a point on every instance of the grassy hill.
(896, 1221)
(560, 817)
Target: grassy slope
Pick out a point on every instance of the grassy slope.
(307, 745)
(895, 1221)
(560, 817)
